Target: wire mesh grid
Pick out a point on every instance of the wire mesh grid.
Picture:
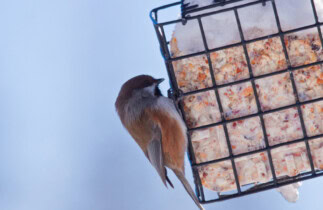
(177, 95)
(187, 8)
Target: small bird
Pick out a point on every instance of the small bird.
(155, 124)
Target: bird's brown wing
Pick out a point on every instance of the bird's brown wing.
(169, 149)
(155, 155)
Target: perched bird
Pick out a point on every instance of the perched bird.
(154, 123)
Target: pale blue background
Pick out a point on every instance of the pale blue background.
(62, 146)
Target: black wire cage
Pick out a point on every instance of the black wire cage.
(177, 94)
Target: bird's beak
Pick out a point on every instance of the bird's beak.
(160, 81)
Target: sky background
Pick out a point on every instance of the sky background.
(62, 146)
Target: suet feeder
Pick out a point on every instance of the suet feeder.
(252, 100)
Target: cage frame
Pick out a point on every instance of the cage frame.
(176, 94)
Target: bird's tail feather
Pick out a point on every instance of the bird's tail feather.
(187, 186)
(167, 179)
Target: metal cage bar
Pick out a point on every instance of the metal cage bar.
(293, 85)
(256, 96)
(221, 109)
(176, 94)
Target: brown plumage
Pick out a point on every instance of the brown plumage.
(154, 123)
